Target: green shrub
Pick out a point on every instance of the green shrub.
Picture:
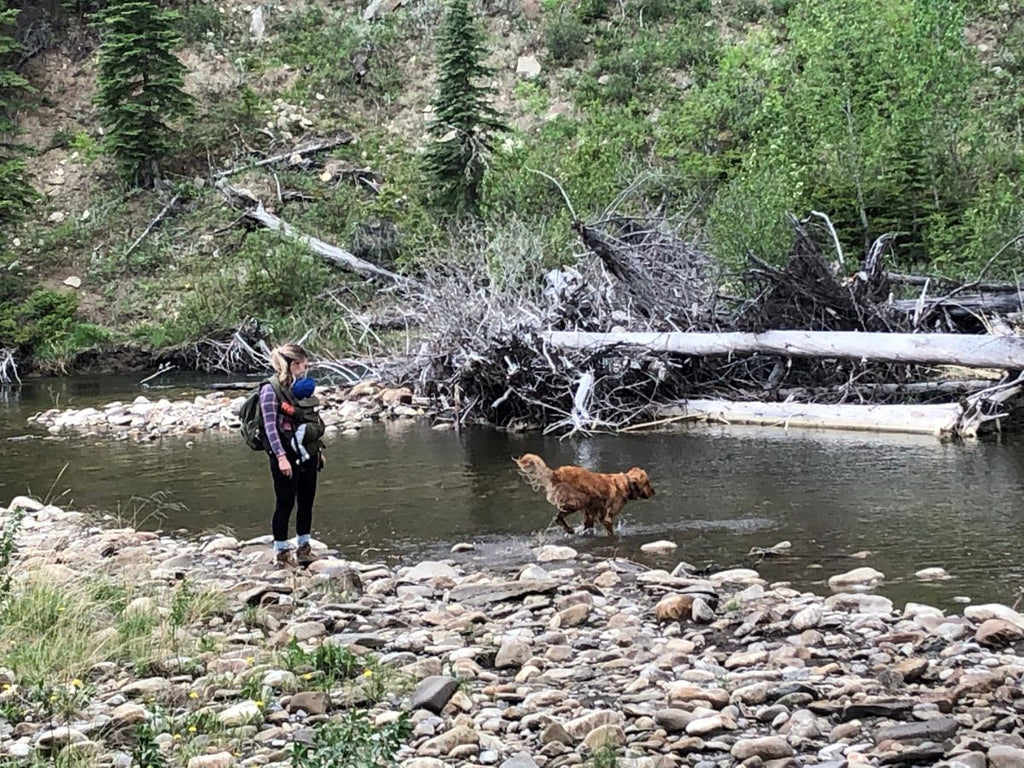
(352, 740)
(337, 54)
(201, 22)
(592, 10)
(564, 37)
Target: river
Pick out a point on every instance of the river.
(402, 491)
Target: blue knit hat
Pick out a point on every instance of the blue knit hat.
(303, 388)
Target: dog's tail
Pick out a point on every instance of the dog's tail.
(532, 467)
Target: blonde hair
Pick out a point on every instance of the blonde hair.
(282, 358)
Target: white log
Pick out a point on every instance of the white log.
(978, 351)
(938, 420)
(326, 251)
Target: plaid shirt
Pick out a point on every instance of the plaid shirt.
(273, 419)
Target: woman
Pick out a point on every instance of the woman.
(294, 480)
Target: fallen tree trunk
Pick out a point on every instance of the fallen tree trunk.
(923, 280)
(941, 419)
(963, 304)
(977, 351)
(326, 251)
(947, 389)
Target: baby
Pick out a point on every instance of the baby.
(309, 427)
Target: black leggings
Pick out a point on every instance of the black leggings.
(301, 488)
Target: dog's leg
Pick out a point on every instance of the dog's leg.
(589, 518)
(562, 521)
(611, 511)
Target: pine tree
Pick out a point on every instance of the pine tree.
(16, 194)
(465, 123)
(140, 85)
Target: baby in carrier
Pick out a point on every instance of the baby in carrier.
(309, 427)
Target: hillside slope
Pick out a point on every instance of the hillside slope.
(732, 113)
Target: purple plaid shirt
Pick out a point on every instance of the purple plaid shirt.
(272, 419)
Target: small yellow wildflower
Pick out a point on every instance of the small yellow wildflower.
(193, 695)
(258, 702)
(367, 673)
(76, 683)
(191, 729)
(250, 659)
(307, 676)
(177, 735)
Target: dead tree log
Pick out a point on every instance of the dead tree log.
(940, 419)
(326, 251)
(972, 351)
(973, 304)
(923, 280)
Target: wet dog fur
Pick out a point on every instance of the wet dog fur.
(599, 496)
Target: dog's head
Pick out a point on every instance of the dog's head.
(639, 485)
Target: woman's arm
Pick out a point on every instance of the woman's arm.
(268, 408)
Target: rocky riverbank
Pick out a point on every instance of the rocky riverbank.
(344, 410)
(121, 647)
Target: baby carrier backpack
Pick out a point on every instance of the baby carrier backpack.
(251, 417)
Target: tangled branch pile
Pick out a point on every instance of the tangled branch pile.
(479, 318)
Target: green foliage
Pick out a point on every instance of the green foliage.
(464, 122)
(604, 757)
(139, 86)
(42, 322)
(147, 750)
(352, 740)
(590, 11)
(564, 36)
(268, 277)
(338, 55)
(864, 114)
(201, 22)
(12, 524)
(16, 193)
(532, 96)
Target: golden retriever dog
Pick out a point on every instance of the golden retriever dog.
(597, 495)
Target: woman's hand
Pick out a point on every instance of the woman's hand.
(284, 465)
(320, 461)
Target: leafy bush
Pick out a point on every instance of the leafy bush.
(592, 10)
(865, 114)
(353, 741)
(338, 55)
(201, 22)
(564, 36)
(40, 322)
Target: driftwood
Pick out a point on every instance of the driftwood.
(938, 420)
(934, 280)
(926, 348)
(8, 367)
(664, 278)
(963, 305)
(964, 418)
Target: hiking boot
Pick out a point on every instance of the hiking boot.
(284, 558)
(304, 555)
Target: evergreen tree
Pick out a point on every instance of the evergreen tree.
(140, 85)
(16, 194)
(464, 123)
